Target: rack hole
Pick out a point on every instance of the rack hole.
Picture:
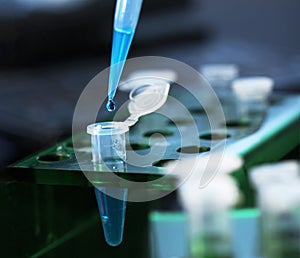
(52, 157)
(275, 100)
(137, 146)
(237, 123)
(161, 132)
(162, 162)
(193, 149)
(197, 111)
(180, 122)
(214, 136)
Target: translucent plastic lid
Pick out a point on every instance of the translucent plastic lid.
(278, 198)
(253, 87)
(281, 172)
(146, 98)
(219, 71)
(107, 128)
(222, 192)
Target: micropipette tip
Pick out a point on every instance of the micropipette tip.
(110, 106)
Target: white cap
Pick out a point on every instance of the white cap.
(213, 162)
(217, 197)
(258, 87)
(107, 128)
(219, 71)
(220, 191)
(281, 172)
(277, 198)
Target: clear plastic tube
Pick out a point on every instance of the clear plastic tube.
(252, 94)
(280, 223)
(109, 154)
(112, 212)
(108, 145)
(208, 210)
(278, 198)
(220, 77)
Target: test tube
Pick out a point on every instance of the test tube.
(108, 145)
(209, 221)
(280, 220)
(220, 77)
(278, 198)
(112, 212)
(275, 173)
(251, 94)
(109, 154)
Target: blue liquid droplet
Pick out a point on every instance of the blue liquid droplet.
(110, 106)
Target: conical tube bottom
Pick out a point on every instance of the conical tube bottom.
(112, 213)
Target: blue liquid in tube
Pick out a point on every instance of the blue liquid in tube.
(122, 39)
(112, 213)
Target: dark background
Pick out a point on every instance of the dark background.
(49, 52)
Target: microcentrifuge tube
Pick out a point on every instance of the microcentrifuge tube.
(252, 94)
(112, 213)
(109, 155)
(279, 204)
(208, 211)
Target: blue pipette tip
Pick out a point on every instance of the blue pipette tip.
(110, 106)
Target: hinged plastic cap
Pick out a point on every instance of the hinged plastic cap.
(107, 128)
